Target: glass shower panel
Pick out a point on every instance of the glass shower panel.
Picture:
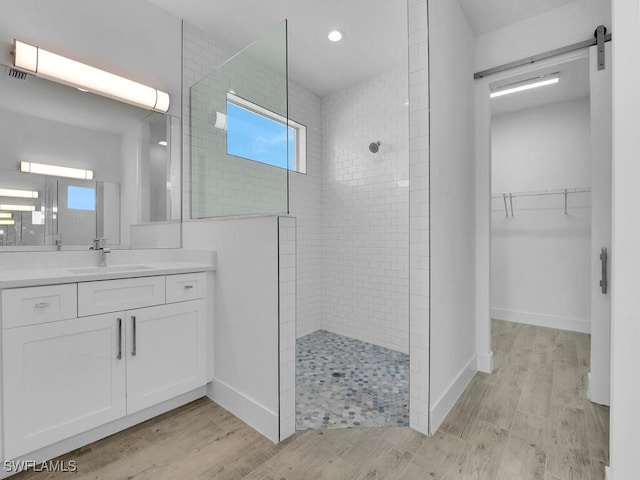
(240, 140)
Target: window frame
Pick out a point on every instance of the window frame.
(300, 132)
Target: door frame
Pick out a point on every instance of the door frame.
(483, 199)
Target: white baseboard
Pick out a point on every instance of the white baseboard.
(485, 362)
(448, 399)
(607, 473)
(542, 320)
(246, 409)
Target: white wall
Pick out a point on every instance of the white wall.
(419, 342)
(245, 342)
(556, 28)
(305, 203)
(452, 212)
(540, 258)
(201, 53)
(625, 331)
(365, 201)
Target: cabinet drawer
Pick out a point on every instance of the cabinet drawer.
(33, 305)
(188, 286)
(114, 295)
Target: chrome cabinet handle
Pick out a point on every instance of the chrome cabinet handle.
(42, 305)
(133, 351)
(119, 339)
(188, 286)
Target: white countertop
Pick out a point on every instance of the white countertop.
(51, 268)
(31, 277)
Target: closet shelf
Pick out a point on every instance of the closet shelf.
(535, 193)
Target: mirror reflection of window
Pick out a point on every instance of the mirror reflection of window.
(81, 198)
(76, 211)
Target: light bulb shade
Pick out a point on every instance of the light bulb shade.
(56, 171)
(60, 69)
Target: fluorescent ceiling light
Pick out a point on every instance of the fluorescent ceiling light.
(7, 222)
(520, 87)
(17, 208)
(6, 215)
(55, 170)
(60, 69)
(335, 35)
(8, 192)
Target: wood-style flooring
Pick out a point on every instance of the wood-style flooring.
(530, 419)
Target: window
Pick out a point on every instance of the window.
(81, 198)
(258, 134)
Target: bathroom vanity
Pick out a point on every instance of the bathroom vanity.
(87, 351)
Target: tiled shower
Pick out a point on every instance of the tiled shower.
(352, 211)
(353, 237)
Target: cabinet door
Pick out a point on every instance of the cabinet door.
(60, 379)
(166, 354)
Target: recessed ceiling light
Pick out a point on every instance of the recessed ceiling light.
(335, 35)
(162, 143)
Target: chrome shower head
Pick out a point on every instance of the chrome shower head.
(375, 146)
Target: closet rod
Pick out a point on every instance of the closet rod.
(540, 56)
(561, 191)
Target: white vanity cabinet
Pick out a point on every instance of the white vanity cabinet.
(60, 379)
(66, 376)
(166, 352)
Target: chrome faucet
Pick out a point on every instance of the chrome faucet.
(100, 244)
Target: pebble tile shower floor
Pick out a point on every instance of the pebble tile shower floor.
(342, 382)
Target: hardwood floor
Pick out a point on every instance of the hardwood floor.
(530, 419)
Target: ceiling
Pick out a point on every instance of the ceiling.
(485, 16)
(375, 31)
(375, 38)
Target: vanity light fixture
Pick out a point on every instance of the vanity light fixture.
(17, 208)
(525, 85)
(45, 64)
(335, 35)
(7, 222)
(8, 192)
(5, 215)
(56, 171)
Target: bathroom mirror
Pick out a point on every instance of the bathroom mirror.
(134, 155)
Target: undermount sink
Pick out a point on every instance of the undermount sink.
(113, 268)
